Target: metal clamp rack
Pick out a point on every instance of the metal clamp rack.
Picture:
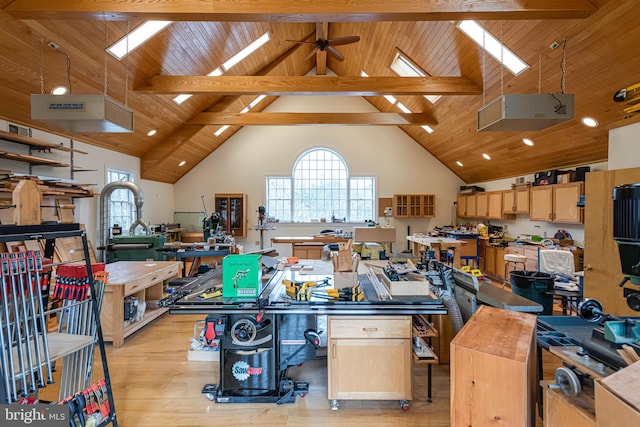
(27, 348)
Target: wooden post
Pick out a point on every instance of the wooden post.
(27, 200)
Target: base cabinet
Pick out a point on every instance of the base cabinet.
(369, 357)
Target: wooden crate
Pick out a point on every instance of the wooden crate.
(493, 370)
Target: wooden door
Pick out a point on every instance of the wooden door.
(400, 205)
(370, 369)
(494, 209)
(482, 205)
(472, 211)
(522, 200)
(428, 205)
(541, 203)
(565, 200)
(509, 201)
(461, 205)
(601, 259)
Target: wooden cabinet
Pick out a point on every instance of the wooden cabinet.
(494, 208)
(561, 410)
(482, 205)
(515, 201)
(494, 262)
(556, 203)
(466, 205)
(140, 279)
(233, 213)
(531, 252)
(414, 205)
(308, 250)
(493, 369)
(369, 357)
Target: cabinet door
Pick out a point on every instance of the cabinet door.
(541, 205)
(415, 206)
(494, 209)
(400, 205)
(472, 204)
(565, 201)
(482, 205)
(461, 205)
(428, 205)
(522, 200)
(370, 369)
(499, 272)
(232, 210)
(509, 201)
(490, 260)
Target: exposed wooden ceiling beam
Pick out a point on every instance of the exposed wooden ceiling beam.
(275, 119)
(310, 85)
(301, 11)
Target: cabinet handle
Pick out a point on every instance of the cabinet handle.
(588, 267)
(333, 351)
(370, 329)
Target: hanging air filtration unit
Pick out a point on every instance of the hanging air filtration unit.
(525, 112)
(82, 113)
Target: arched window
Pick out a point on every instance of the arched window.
(320, 187)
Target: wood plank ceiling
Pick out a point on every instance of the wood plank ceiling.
(601, 57)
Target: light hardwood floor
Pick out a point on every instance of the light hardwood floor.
(154, 385)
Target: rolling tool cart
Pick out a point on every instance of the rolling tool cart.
(255, 352)
(28, 350)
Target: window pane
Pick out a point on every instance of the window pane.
(320, 187)
(121, 204)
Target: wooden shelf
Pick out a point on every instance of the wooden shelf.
(60, 345)
(31, 159)
(431, 330)
(149, 316)
(420, 361)
(35, 143)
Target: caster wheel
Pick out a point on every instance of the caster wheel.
(334, 405)
(404, 405)
(303, 395)
(210, 396)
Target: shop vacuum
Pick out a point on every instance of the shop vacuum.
(255, 353)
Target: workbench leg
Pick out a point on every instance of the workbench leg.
(429, 383)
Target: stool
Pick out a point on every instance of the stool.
(515, 259)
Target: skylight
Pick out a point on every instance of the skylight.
(234, 60)
(404, 67)
(136, 38)
(493, 46)
(393, 101)
(222, 129)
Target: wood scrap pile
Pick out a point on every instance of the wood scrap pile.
(48, 186)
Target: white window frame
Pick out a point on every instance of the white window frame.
(122, 209)
(348, 201)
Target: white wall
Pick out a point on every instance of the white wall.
(240, 165)
(624, 147)
(158, 197)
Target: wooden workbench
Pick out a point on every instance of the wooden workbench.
(140, 279)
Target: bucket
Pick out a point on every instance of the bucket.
(534, 286)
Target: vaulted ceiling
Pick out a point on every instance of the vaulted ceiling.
(602, 39)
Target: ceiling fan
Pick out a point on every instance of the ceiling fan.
(323, 44)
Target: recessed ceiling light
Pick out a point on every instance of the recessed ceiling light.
(459, 163)
(486, 156)
(59, 90)
(528, 142)
(182, 163)
(152, 132)
(589, 121)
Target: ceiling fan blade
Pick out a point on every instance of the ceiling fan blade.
(334, 52)
(313, 52)
(300, 42)
(343, 40)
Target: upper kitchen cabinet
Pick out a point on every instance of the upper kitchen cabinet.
(557, 203)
